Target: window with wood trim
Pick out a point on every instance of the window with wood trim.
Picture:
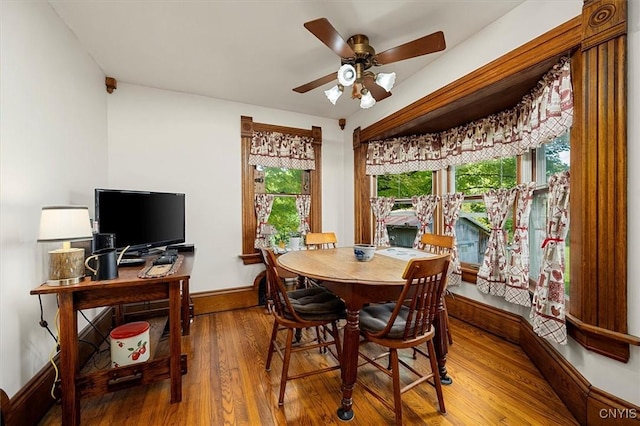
(251, 180)
(597, 314)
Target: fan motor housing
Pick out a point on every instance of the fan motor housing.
(363, 50)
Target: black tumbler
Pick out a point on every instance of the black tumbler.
(103, 241)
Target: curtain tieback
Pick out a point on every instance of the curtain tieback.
(522, 228)
(549, 239)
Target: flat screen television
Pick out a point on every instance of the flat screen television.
(142, 220)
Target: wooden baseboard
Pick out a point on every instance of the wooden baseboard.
(588, 404)
(34, 399)
(224, 300)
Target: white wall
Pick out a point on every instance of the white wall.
(169, 141)
(53, 150)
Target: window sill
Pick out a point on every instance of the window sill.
(609, 343)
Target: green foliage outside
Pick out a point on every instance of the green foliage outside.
(283, 213)
(405, 185)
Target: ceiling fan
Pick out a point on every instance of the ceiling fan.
(358, 56)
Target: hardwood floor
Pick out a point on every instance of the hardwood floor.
(494, 383)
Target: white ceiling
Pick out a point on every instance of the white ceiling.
(256, 52)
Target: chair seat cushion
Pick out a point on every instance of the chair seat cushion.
(374, 318)
(316, 303)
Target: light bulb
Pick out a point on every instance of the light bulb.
(346, 75)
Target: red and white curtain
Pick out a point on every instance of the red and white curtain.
(381, 207)
(542, 115)
(303, 206)
(548, 310)
(273, 149)
(492, 272)
(517, 285)
(262, 204)
(424, 205)
(451, 204)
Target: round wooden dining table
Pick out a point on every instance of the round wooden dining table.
(359, 283)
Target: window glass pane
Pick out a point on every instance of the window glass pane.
(405, 185)
(402, 224)
(554, 158)
(473, 228)
(284, 217)
(478, 178)
(282, 181)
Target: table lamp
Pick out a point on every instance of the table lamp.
(65, 224)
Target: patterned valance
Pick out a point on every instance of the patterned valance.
(541, 116)
(273, 149)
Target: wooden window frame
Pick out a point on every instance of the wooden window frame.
(250, 255)
(596, 40)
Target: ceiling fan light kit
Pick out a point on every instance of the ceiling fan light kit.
(357, 56)
(334, 93)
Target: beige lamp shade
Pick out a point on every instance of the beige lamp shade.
(65, 224)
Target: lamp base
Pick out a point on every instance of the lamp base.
(65, 281)
(66, 266)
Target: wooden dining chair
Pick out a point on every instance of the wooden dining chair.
(407, 323)
(440, 244)
(312, 307)
(321, 240)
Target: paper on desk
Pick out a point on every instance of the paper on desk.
(403, 253)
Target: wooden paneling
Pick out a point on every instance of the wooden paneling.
(363, 222)
(500, 323)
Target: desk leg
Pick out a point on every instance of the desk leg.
(441, 343)
(186, 320)
(349, 362)
(175, 340)
(69, 368)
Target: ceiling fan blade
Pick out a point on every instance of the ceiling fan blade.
(422, 46)
(378, 92)
(316, 83)
(325, 32)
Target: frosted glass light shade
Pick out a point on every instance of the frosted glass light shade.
(367, 101)
(386, 80)
(333, 94)
(346, 75)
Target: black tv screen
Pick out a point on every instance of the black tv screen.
(141, 219)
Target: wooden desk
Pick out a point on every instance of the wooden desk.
(127, 288)
(358, 283)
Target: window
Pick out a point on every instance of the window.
(284, 184)
(402, 224)
(250, 181)
(598, 302)
(552, 157)
(472, 227)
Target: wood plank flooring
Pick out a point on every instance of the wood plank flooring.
(494, 383)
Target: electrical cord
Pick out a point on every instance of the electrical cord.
(44, 323)
(55, 349)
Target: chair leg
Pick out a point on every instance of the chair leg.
(446, 322)
(436, 375)
(395, 374)
(285, 366)
(272, 348)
